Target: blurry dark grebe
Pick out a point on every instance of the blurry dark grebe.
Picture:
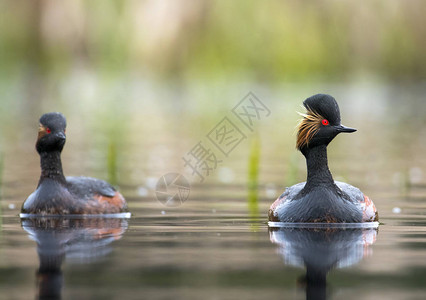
(60, 195)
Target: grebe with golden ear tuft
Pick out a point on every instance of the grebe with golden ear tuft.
(321, 199)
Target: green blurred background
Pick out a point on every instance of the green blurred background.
(267, 41)
(141, 82)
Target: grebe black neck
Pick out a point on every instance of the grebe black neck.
(51, 166)
(50, 142)
(317, 165)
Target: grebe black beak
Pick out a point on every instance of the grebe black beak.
(342, 128)
(61, 135)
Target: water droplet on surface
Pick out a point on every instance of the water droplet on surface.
(416, 175)
(271, 191)
(226, 175)
(396, 210)
(142, 191)
(151, 182)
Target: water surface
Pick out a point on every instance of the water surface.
(217, 245)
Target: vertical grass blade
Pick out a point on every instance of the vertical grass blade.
(253, 178)
(112, 162)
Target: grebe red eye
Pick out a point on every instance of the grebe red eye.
(325, 122)
(48, 130)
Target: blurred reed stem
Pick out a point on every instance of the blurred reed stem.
(253, 178)
(112, 162)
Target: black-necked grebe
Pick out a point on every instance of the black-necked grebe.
(320, 198)
(60, 195)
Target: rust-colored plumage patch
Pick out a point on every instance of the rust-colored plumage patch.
(271, 213)
(107, 204)
(369, 213)
(308, 127)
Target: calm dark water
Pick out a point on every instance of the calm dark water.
(205, 254)
(217, 244)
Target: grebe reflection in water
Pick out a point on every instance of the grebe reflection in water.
(77, 240)
(320, 250)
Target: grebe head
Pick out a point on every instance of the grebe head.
(321, 123)
(51, 132)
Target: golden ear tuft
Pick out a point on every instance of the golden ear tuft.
(41, 131)
(308, 127)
